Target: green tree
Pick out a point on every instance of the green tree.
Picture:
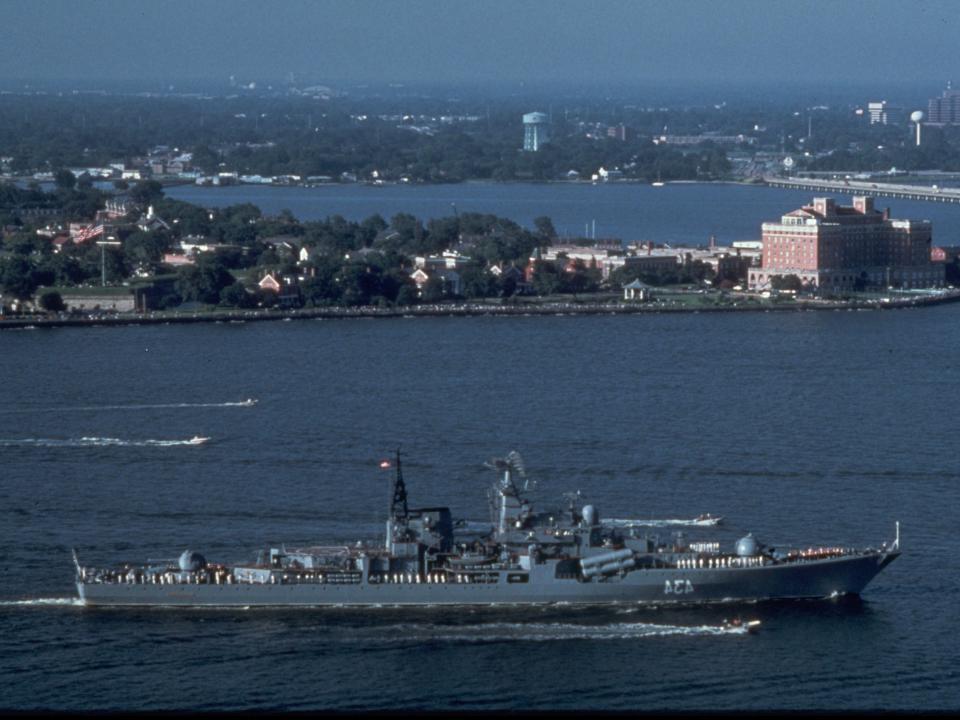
(236, 295)
(786, 282)
(204, 281)
(64, 179)
(17, 277)
(434, 290)
(545, 229)
(52, 301)
(478, 283)
(146, 247)
(546, 278)
(146, 192)
(407, 295)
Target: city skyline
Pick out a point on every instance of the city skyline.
(494, 42)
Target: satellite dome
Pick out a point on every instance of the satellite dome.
(916, 116)
(747, 546)
(590, 515)
(192, 561)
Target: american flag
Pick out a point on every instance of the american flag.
(88, 233)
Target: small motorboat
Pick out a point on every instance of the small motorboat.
(739, 626)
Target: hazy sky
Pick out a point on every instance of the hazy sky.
(483, 41)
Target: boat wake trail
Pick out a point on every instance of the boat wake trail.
(98, 442)
(548, 632)
(707, 521)
(249, 402)
(43, 602)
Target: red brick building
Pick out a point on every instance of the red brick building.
(836, 247)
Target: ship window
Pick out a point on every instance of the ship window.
(518, 578)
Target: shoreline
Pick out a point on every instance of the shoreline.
(463, 310)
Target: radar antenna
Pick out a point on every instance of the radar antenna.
(398, 504)
(510, 465)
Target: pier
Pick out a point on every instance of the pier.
(865, 187)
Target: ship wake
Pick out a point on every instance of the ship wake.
(249, 402)
(83, 442)
(549, 632)
(43, 602)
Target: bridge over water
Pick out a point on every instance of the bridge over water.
(862, 187)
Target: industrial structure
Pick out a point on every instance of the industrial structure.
(536, 131)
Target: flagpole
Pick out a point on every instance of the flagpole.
(111, 240)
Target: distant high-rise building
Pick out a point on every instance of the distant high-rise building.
(883, 113)
(945, 110)
(536, 131)
(620, 132)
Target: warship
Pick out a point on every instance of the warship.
(522, 557)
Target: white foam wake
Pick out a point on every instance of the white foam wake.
(249, 402)
(38, 602)
(544, 632)
(628, 522)
(98, 442)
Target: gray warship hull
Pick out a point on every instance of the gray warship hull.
(811, 579)
(562, 556)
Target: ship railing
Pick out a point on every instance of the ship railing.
(819, 553)
(721, 562)
(439, 577)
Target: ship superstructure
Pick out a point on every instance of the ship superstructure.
(521, 557)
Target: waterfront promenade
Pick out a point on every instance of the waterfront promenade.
(746, 304)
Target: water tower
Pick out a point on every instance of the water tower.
(916, 117)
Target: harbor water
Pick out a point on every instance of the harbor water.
(804, 428)
(807, 428)
(675, 214)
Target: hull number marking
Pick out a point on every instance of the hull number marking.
(677, 587)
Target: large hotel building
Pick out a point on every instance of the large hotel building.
(836, 247)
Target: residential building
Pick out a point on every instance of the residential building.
(151, 221)
(286, 288)
(178, 259)
(608, 175)
(536, 131)
(655, 262)
(449, 260)
(452, 283)
(832, 247)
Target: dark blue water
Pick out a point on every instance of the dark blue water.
(678, 213)
(803, 428)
